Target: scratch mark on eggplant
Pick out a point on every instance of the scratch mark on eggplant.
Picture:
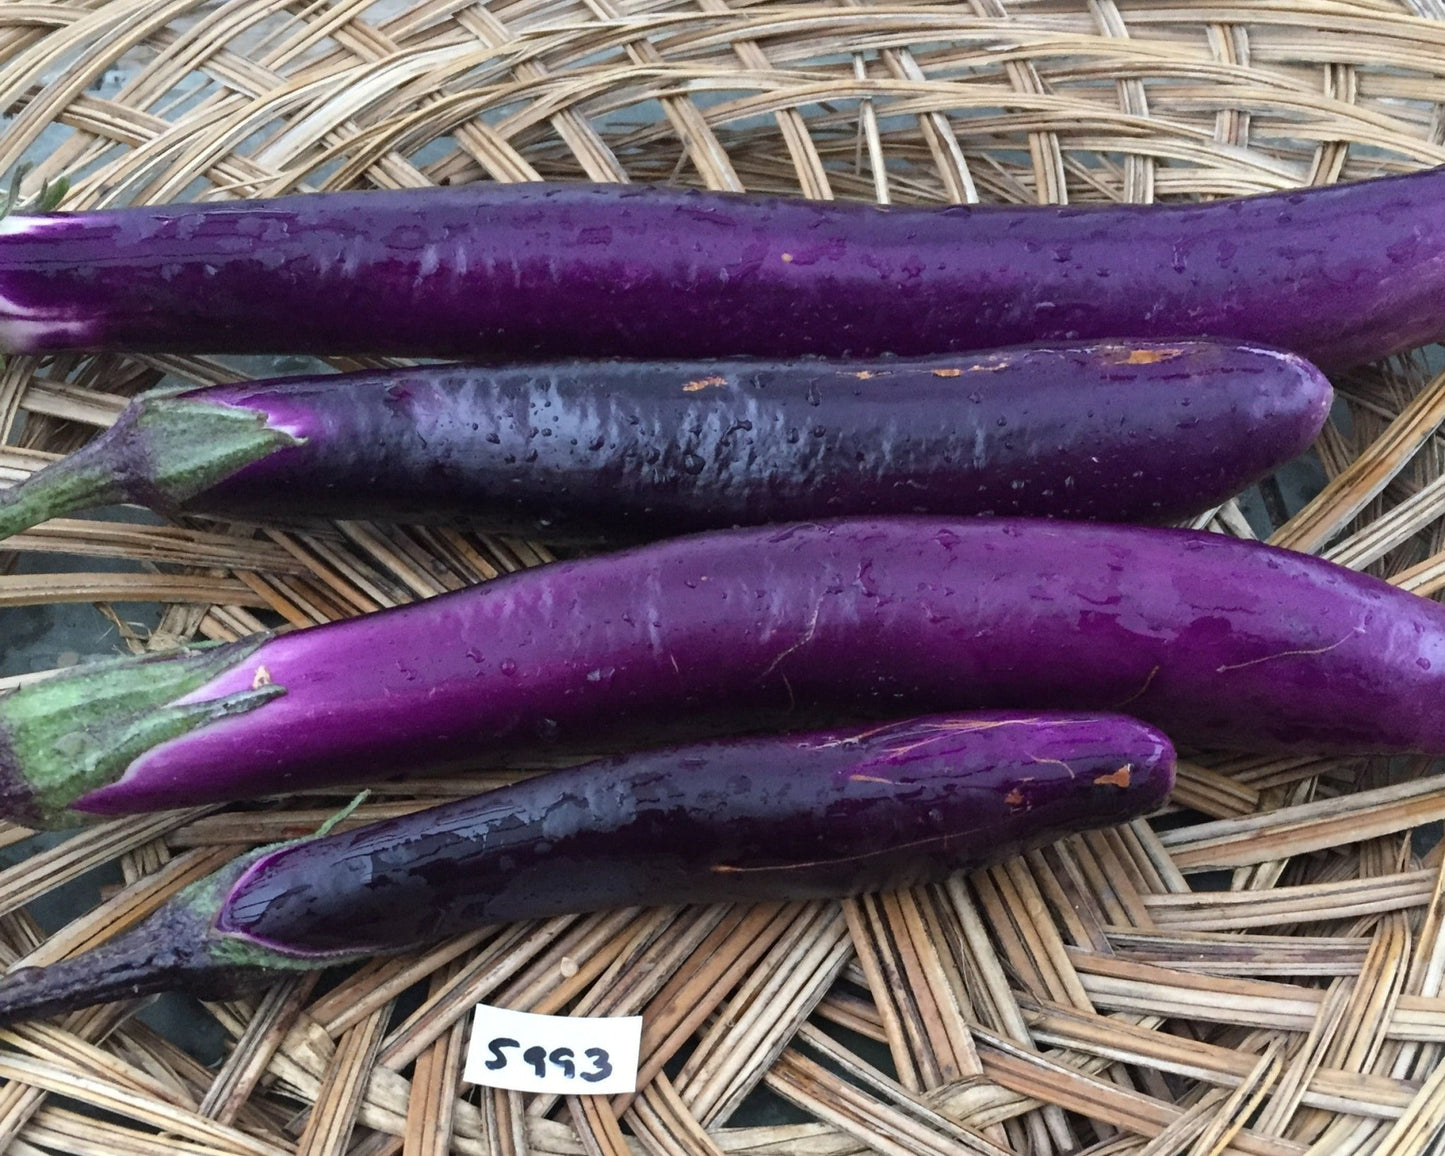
(1141, 691)
(812, 629)
(1059, 763)
(1290, 653)
(939, 729)
(894, 849)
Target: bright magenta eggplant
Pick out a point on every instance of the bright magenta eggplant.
(1340, 275)
(1217, 641)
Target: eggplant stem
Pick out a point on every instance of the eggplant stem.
(176, 949)
(163, 450)
(73, 483)
(342, 815)
(125, 968)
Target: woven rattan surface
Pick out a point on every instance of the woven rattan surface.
(1090, 997)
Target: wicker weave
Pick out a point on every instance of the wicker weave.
(1081, 998)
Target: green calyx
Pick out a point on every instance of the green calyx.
(177, 948)
(162, 451)
(183, 946)
(206, 899)
(67, 735)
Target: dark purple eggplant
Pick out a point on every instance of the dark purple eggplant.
(745, 820)
(1113, 432)
(1340, 275)
(1219, 642)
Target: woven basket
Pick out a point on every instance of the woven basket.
(1100, 996)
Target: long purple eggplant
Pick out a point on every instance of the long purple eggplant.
(1217, 641)
(805, 817)
(1340, 275)
(1113, 432)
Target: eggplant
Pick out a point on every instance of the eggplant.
(1217, 641)
(810, 816)
(1341, 275)
(627, 451)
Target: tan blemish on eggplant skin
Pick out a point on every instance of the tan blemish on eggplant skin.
(948, 373)
(1119, 778)
(1123, 355)
(1151, 356)
(704, 383)
(261, 678)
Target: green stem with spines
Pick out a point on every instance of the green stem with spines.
(163, 450)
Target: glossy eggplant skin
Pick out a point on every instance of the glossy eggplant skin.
(800, 817)
(1341, 275)
(1110, 432)
(1217, 641)
(742, 820)
(629, 451)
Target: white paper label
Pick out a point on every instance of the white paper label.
(566, 1055)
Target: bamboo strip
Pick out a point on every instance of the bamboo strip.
(328, 1128)
(734, 1056)
(24, 590)
(45, 1042)
(1033, 1075)
(248, 1062)
(883, 1129)
(692, 994)
(663, 1125)
(130, 1104)
(434, 1085)
(347, 1004)
(1336, 899)
(81, 853)
(1340, 1091)
(19, 1102)
(1222, 953)
(159, 544)
(492, 966)
(1312, 827)
(1346, 495)
(58, 1130)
